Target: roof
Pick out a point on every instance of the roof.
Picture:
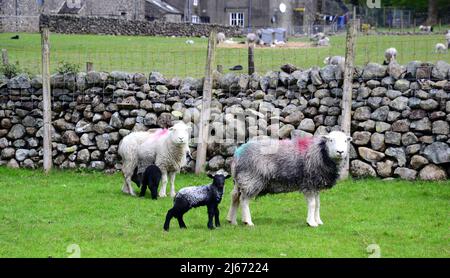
(164, 7)
(71, 9)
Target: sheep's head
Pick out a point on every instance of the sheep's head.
(337, 145)
(219, 178)
(179, 133)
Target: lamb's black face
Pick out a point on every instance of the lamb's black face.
(219, 180)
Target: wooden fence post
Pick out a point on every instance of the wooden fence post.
(347, 89)
(5, 59)
(220, 68)
(46, 99)
(206, 105)
(89, 66)
(251, 58)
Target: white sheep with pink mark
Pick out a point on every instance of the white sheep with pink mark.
(165, 148)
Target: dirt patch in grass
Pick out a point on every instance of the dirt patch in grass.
(288, 45)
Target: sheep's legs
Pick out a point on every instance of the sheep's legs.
(317, 210)
(181, 222)
(127, 188)
(211, 213)
(143, 189)
(162, 191)
(168, 218)
(231, 217)
(246, 217)
(128, 170)
(311, 200)
(216, 217)
(172, 184)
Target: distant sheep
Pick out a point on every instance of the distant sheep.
(318, 36)
(252, 38)
(189, 42)
(324, 42)
(390, 55)
(320, 39)
(335, 60)
(425, 28)
(440, 48)
(270, 166)
(220, 37)
(196, 196)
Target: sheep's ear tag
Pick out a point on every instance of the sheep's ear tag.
(326, 137)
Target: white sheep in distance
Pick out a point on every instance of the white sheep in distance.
(316, 37)
(268, 166)
(220, 37)
(440, 48)
(335, 60)
(166, 148)
(324, 42)
(252, 38)
(425, 28)
(390, 55)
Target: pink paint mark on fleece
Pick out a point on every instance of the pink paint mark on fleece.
(304, 143)
(160, 133)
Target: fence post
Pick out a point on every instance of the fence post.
(220, 68)
(251, 58)
(347, 89)
(46, 99)
(206, 103)
(5, 59)
(89, 66)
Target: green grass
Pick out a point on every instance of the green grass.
(41, 216)
(173, 57)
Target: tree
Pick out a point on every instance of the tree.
(432, 17)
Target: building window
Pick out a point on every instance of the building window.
(204, 19)
(195, 3)
(195, 19)
(237, 19)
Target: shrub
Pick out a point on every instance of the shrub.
(67, 67)
(10, 70)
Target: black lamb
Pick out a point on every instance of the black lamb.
(196, 196)
(150, 178)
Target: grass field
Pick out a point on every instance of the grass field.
(173, 57)
(41, 216)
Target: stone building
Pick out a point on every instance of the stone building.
(23, 15)
(294, 15)
(248, 14)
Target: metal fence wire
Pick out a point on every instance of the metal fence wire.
(186, 57)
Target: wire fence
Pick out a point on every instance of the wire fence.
(184, 56)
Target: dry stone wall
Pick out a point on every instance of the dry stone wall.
(72, 24)
(400, 121)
